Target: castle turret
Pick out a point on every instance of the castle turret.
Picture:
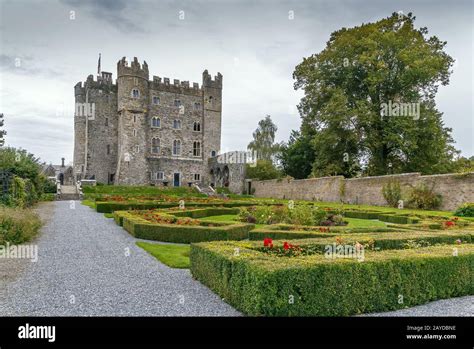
(133, 94)
(212, 102)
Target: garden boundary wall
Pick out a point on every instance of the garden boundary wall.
(454, 188)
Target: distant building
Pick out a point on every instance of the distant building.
(64, 174)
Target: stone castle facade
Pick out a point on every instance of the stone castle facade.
(138, 131)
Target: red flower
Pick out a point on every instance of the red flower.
(267, 242)
(449, 223)
(286, 246)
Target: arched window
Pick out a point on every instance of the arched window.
(156, 100)
(196, 148)
(176, 147)
(197, 126)
(177, 124)
(155, 145)
(213, 153)
(135, 93)
(155, 122)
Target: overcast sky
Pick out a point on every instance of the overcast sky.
(254, 44)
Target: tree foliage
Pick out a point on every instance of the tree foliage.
(347, 85)
(263, 170)
(2, 131)
(264, 140)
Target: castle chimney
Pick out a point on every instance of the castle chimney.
(62, 162)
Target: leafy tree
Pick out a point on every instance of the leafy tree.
(297, 157)
(348, 86)
(264, 140)
(2, 132)
(463, 165)
(263, 170)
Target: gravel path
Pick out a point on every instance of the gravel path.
(462, 306)
(89, 266)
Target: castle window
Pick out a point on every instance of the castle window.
(156, 100)
(134, 133)
(106, 121)
(155, 145)
(157, 176)
(135, 93)
(197, 126)
(197, 149)
(177, 124)
(137, 149)
(108, 149)
(197, 106)
(209, 100)
(177, 103)
(155, 122)
(176, 147)
(197, 176)
(213, 153)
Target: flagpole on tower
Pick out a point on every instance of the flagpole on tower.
(98, 66)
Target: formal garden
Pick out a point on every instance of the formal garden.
(269, 257)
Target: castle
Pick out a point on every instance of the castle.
(138, 131)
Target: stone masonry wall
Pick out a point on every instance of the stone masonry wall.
(455, 189)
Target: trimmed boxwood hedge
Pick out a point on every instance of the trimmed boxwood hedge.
(143, 229)
(260, 284)
(283, 231)
(109, 207)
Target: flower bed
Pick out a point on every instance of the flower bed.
(258, 283)
(167, 227)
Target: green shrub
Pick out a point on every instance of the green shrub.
(392, 193)
(257, 283)
(18, 225)
(466, 210)
(143, 229)
(424, 198)
(111, 206)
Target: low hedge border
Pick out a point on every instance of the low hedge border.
(109, 207)
(143, 229)
(260, 284)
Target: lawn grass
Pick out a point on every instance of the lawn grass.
(108, 215)
(174, 256)
(90, 203)
(227, 218)
(364, 223)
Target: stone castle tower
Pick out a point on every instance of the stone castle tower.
(142, 131)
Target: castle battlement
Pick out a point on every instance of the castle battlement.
(164, 84)
(134, 69)
(207, 80)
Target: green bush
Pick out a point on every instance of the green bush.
(257, 283)
(392, 193)
(398, 219)
(424, 198)
(18, 225)
(143, 229)
(111, 206)
(466, 210)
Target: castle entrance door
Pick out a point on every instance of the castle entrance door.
(176, 180)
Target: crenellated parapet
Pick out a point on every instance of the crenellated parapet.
(208, 82)
(177, 86)
(134, 69)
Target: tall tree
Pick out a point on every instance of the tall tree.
(369, 96)
(2, 131)
(297, 156)
(264, 140)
